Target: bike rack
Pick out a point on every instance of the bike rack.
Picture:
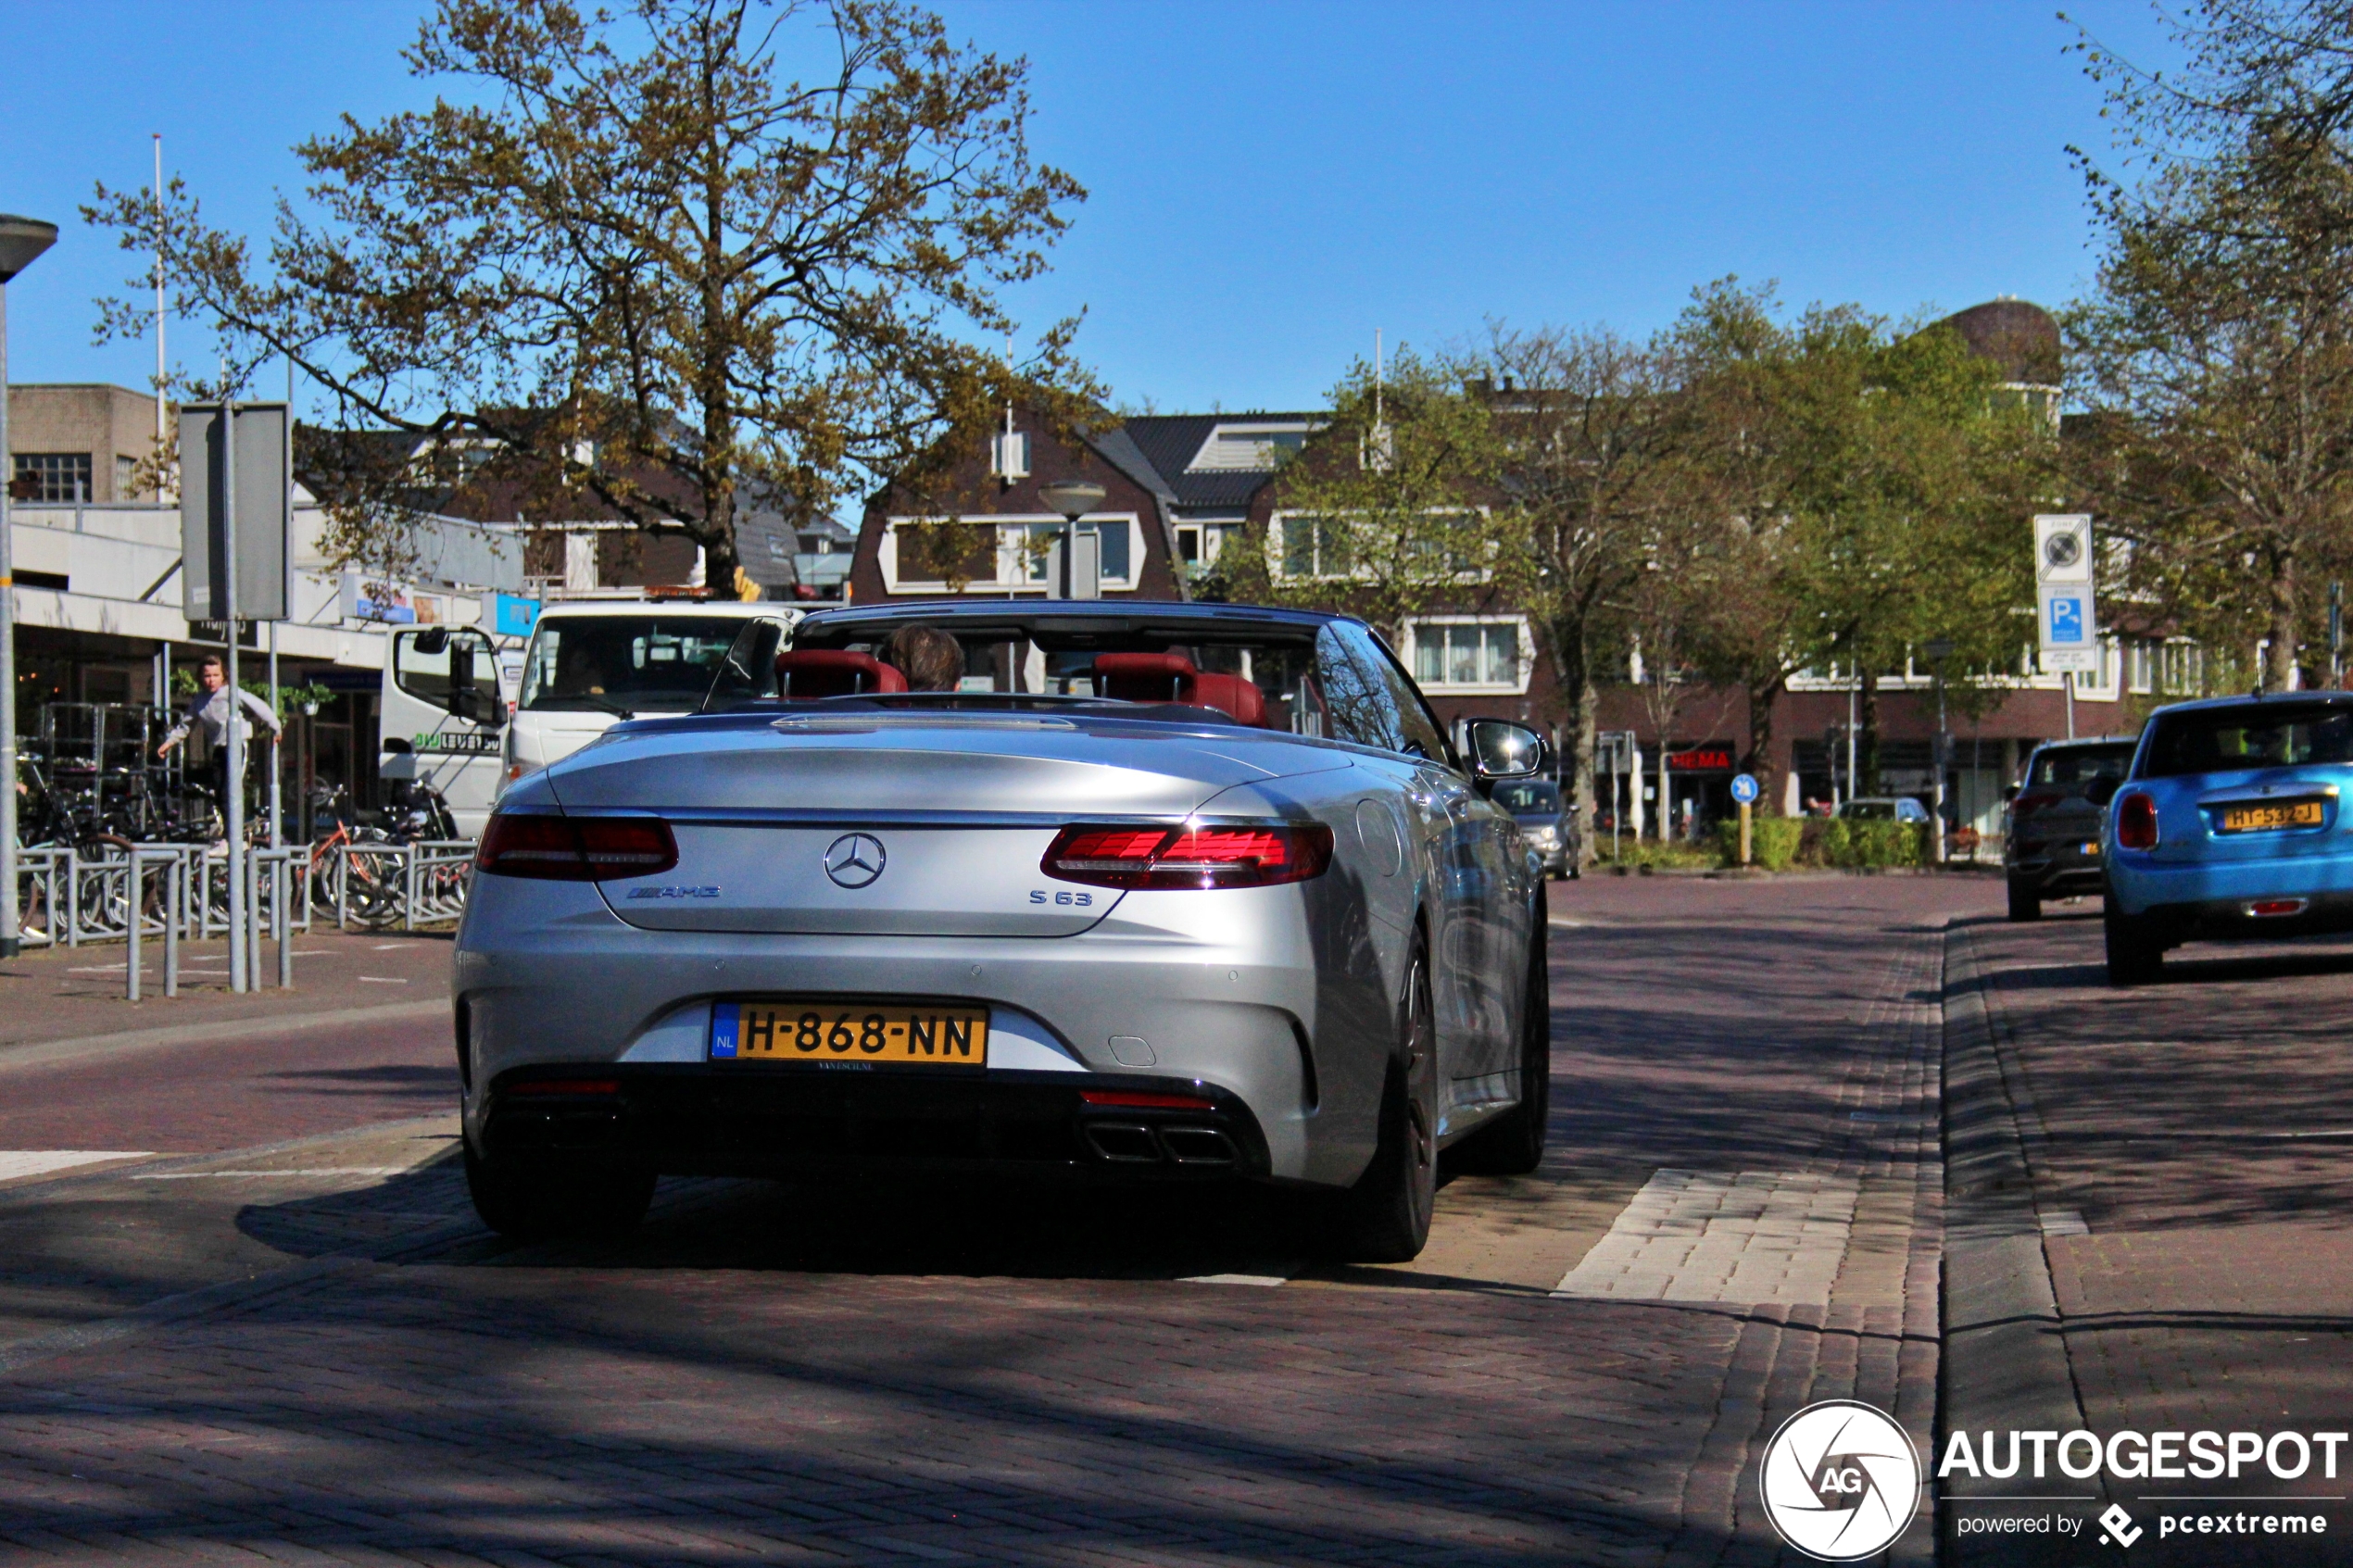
(175, 872)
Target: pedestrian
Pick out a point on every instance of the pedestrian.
(211, 707)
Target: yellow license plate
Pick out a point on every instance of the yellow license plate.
(2270, 819)
(932, 1035)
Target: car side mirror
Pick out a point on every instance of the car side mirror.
(2099, 792)
(1500, 749)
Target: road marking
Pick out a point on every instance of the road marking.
(17, 1163)
(386, 947)
(288, 1171)
(1264, 1281)
(382, 980)
(1693, 1235)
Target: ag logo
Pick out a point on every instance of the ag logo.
(1840, 1481)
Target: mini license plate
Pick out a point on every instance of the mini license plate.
(940, 1035)
(2272, 818)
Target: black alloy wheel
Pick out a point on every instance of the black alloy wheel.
(2134, 955)
(1385, 1217)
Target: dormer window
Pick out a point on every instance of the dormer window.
(1249, 449)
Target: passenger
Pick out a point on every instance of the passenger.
(929, 657)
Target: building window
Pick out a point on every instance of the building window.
(2140, 666)
(52, 476)
(1469, 654)
(1314, 546)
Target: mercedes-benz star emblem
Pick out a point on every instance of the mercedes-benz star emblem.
(855, 858)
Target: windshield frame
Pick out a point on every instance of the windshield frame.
(599, 634)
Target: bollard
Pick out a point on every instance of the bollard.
(279, 881)
(138, 884)
(175, 896)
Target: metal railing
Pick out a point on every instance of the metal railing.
(404, 884)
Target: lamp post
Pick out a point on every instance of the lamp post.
(21, 242)
(1938, 649)
(1074, 498)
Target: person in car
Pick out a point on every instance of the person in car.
(929, 657)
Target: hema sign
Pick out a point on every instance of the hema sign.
(259, 514)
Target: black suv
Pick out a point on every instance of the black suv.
(2052, 845)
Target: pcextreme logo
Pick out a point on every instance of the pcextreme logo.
(1840, 1481)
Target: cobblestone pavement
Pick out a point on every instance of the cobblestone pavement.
(2187, 1147)
(301, 1347)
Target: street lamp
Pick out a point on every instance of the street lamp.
(21, 242)
(1074, 498)
(1938, 649)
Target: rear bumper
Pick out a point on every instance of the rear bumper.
(2055, 869)
(745, 1120)
(2216, 900)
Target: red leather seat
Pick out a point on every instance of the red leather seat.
(806, 674)
(1144, 677)
(1239, 699)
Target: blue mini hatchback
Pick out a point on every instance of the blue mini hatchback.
(2231, 825)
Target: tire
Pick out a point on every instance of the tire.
(1385, 1217)
(2134, 956)
(531, 1201)
(2025, 903)
(1513, 1143)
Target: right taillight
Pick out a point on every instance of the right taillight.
(2137, 822)
(1195, 855)
(576, 849)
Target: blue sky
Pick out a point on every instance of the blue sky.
(1270, 183)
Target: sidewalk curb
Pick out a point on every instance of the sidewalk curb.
(2005, 1364)
(35, 1053)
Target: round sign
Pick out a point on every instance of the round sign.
(1840, 1481)
(2062, 550)
(1744, 788)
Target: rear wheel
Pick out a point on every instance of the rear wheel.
(2025, 903)
(2134, 955)
(526, 1200)
(1385, 1217)
(1513, 1143)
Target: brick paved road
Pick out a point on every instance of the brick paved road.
(2189, 1147)
(324, 1362)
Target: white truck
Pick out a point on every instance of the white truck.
(468, 714)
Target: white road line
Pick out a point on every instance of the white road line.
(382, 980)
(386, 947)
(1262, 1281)
(35, 1162)
(290, 1171)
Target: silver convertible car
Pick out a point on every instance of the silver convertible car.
(1162, 892)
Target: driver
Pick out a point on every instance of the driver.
(929, 657)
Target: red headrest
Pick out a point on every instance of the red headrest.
(806, 674)
(1239, 699)
(1144, 677)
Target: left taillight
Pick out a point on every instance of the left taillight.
(1191, 855)
(2137, 822)
(576, 849)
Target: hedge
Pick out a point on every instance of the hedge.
(1847, 843)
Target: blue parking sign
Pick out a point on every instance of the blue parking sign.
(2067, 619)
